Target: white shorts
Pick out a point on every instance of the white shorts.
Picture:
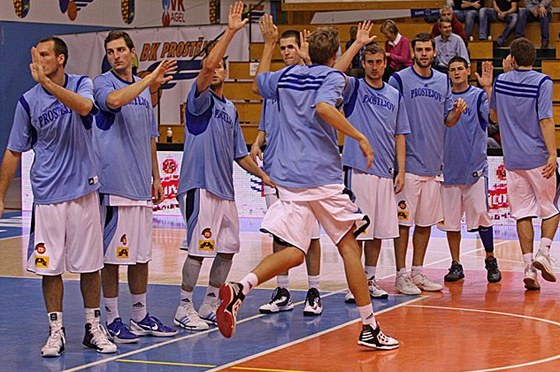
(376, 198)
(127, 230)
(530, 194)
(419, 201)
(472, 200)
(212, 224)
(66, 237)
(292, 221)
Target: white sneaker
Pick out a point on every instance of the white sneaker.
(96, 337)
(375, 290)
(425, 284)
(530, 278)
(187, 317)
(349, 298)
(542, 262)
(207, 312)
(405, 285)
(281, 300)
(313, 306)
(55, 344)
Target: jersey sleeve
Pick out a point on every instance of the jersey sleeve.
(403, 124)
(448, 101)
(198, 102)
(331, 89)
(268, 83)
(483, 110)
(102, 87)
(85, 89)
(240, 147)
(262, 122)
(544, 107)
(154, 125)
(492, 104)
(396, 82)
(21, 137)
(349, 89)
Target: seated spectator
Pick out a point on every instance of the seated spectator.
(502, 10)
(467, 12)
(397, 49)
(457, 27)
(448, 45)
(535, 11)
(355, 69)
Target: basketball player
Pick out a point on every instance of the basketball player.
(465, 173)
(522, 102)
(213, 140)
(124, 138)
(427, 98)
(292, 54)
(54, 120)
(307, 172)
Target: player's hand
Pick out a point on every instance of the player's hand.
(364, 29)
(501, 16)
(399, 182)
(159, 194)
(367, 151)
(235, 21)
(267, 181)
(256, 152)
(165, 67)
(459, 106)
(550, 168)
(508, 63)
(36, 68)
(487, 75)
(303, 50)
(269, 30)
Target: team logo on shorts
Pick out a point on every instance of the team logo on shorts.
(206, 245)
(42, 262)
(122, 251)
(207, 233)
(402, 213)
(40, 248)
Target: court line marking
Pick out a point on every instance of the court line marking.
(315, 335)
(177, 364)
(526, 364)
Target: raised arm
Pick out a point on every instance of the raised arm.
(362, 39)
(270, 36)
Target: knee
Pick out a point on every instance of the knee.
(296, 256)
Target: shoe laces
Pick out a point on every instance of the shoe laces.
(189, 308)
(408, 281)
(55, 338)
(99, 335)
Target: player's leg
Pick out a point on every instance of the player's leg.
(313, 305)
(452, 205)
(372, 251)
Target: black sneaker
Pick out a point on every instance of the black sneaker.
(96, 337)
(281, 300)
(313, 305)
(494, 275)
(455, 272)
(375, 339)
(231, 295)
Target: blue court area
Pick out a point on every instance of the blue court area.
(24, 328)
(10, 225)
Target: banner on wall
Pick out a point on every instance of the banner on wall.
(152, 46)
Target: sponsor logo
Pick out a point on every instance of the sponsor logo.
(207, 233)
(21, 7)
(40, 248)
(122, 252)
(403, 215)
(72, 7)
(169, 165)
(42, 262)
(402, 204)
(173, 12)
(124, 240)
(206, 245)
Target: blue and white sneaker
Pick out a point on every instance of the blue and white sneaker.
(120, 333)
(207, 312)
(151, 326)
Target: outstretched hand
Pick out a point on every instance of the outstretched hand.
(235, 21)
(364, 29)
(166, 66)
(459, 106)
(36, 68)
(486, 79)
(268, 29)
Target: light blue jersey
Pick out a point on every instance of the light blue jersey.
(464, 155)
(427, 101)
(380, 115)
(213, 140)
(522, 98)
(269, 125)
(306, 150)
(64, 167)
(122, 140)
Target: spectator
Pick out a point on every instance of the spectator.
(467, 12)
(458, 29)
(355, 69)
(536, 11)
(397, 48)
(448, 45)
(503, 10)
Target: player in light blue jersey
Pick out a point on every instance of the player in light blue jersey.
(213, 141)
(54, 119)
(377, 110)
(427, 98)
(307, 170)
(124, 137)
(522, 102)
(465, 172)
(293, 48)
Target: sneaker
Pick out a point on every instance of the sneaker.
(455, 272)
(281, 300)
(151, 326)
(405, 285)
(120, 333)
(494, 275)
(207, 312)
(232, 296)
(349, 298)
(187, 317)
(313, 305)
(423, 283)
(542, 263)
(376, 339)
(96, 338)
(55, 344)
(530, 278)
(375, 290)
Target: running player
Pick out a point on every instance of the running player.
(307, 170)
(522, 101)
(54, 120)
(427, 98)
(465, 174)
(213, 140)
(124, 138)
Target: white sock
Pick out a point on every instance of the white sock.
(545, 245)
(211, 295)
(366, 314)
(55, 320)
(401, 272)
(528, 258)
(92, 315)
(186, 296)
(283, 281)
(111, 308)
(416, 270)
(314, 281)
(370, 271)
(249, 282)
(139, 310)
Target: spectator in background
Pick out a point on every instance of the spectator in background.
(457, 27)
(503, 10)
(535, 11)
(355, 69)
(448, 45)
(467, 12)
(397, 48)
